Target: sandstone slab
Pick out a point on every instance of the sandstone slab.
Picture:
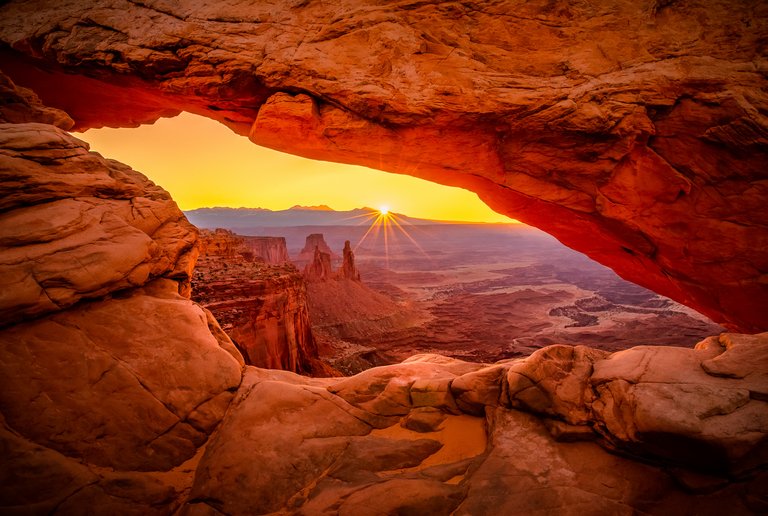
(135, 383)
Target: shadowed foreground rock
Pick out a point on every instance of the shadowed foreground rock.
(633, 131)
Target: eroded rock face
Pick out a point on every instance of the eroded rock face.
(114, 379)
(81, 229)
(263, 308)
(111, 391)
(101, 382)
(315, 241)
(639, 124)
(319, 269)
(272, 250)
(435, 435)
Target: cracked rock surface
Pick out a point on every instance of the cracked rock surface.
(601, 434)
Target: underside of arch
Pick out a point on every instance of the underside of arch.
(634, 133)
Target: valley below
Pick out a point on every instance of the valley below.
(476, 292)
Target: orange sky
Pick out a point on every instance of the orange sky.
(202, 163)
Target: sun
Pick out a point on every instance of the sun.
(384, 210)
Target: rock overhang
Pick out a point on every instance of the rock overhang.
(648, 156)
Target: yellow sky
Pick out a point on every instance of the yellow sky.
(202, 163)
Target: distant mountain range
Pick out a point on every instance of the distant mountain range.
(236, 218)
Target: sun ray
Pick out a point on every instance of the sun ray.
(402, 229)
(365, 216)
(374, 225)
(389, 226)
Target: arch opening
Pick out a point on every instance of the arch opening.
(476, 289)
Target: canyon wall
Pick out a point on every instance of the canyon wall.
(226, 244)
(263, 308)
(635, 132)
(272, 250)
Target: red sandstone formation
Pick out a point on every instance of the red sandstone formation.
(113, 380)
(270, 249)
(109, 374)
(319, 269)
(632, 131)
(225, 244)
(435, 435)
(109, 402)
(263, 308)
(348, 270)
(315, 241)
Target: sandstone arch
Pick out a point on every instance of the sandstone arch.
(635, 132)
(119, 394)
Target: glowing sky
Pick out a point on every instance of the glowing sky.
(202, 163)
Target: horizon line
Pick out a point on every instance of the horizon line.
(310, 209)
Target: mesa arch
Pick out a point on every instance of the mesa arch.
(635, 132)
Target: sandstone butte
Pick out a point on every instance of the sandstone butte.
(633, 131)
(315, 242)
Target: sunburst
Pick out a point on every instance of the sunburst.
(389, 224)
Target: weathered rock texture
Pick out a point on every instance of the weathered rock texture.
(272, 250)
(319, 269)
(263, 308)
(114, 379)
(81, 229)
(134, 402)
(440, 436)
(117, 390)
(226, 244)
(632, 131)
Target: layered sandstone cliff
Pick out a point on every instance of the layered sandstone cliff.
(632, 131)
(272, 250)
(226, 244)
(263, 308)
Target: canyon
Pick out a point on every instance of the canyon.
(259, 299)
(452, 291)
(633, 131)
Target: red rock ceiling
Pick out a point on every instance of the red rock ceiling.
(635, 132)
